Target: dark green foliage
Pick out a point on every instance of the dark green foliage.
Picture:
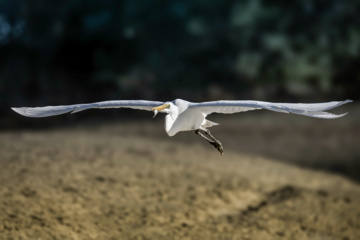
(58, 52)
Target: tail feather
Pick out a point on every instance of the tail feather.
(208, 124)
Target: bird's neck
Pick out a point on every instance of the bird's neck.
(169, 120)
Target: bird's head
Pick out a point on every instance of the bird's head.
(167, 107)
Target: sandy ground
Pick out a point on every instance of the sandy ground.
(127, 182)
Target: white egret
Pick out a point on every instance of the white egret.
(182, 115)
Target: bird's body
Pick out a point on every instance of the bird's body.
(186, 116)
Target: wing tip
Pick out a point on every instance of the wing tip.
(21, 111)
(341, 103)
(341, 115)
(333, 116)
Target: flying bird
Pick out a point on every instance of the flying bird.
(182, 115)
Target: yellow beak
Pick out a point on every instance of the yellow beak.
(160, 108)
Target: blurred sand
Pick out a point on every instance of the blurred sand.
(125, 181)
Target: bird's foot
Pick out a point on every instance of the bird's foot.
(216, 143)
(218, 146)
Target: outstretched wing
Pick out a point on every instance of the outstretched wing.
(37, 112)
(315, 110)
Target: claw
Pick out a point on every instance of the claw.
(218, 147)
(210, 139)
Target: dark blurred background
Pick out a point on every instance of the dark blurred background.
(65, 52)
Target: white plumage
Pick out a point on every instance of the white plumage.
(185, 116)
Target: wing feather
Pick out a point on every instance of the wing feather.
(315, 110)
(37, 112)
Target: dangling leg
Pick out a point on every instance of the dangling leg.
(217, 144)
(203, 136)
(211, 140)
